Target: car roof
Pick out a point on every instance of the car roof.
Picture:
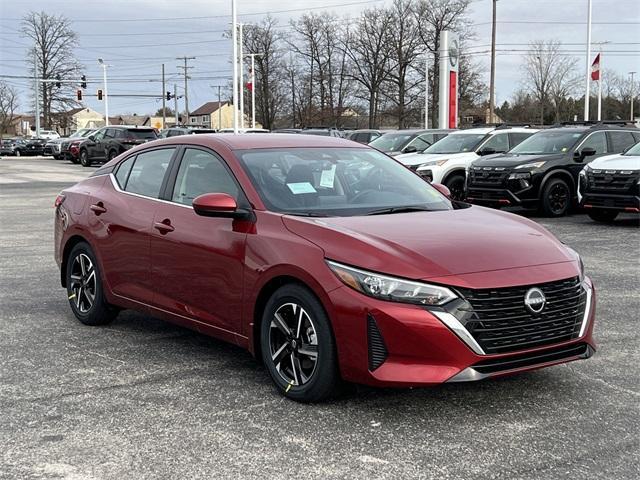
(264, 140)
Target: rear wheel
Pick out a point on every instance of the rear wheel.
(556, 198)
(84, 288)
(17, 152)
(455, 184)
(297, 345)
(604, 216)
(111, 155)
(84, 158)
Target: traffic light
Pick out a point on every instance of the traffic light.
(84, 81)
(99, 94)
(79, 94)
(58, 84)
(169, 96)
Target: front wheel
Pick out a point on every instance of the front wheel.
(297, 345)
(111, 155)
(455, 184)
(556, 198)
(17, 153)
(84, 288)
(603, 216)
(84, 158)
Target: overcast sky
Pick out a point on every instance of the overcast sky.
(137, 36)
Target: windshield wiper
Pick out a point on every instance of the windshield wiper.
(408, 209)
(306, 214)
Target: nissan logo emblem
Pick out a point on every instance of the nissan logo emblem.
(535, 300)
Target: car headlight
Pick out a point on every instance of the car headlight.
(434, 162)
(519, 176)
(531, 165)
(391, 288)
(580, 262)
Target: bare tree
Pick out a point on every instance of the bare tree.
(548, 74)
(368, 48)
(8, 106)
(52, 51)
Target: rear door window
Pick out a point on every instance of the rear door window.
(498, 142)
(620, 141)
(123, 172)
(148, 171)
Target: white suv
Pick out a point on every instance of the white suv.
(49, 134)
(446, 161)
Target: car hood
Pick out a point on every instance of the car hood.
(420, 158)
(424, 245)
(616, 162)
(513, 160)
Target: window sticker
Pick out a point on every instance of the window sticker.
(301, 188)
(328, 176)
(564, 149)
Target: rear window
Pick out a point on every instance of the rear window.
(142, 134)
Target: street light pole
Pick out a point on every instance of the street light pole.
(234, 40)
(37, 86)
(106, 95)
(588, 67)
(633, 93)
(241, 60)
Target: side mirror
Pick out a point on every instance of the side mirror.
(443, 189)
(410, 149)
(581, 155)
(91, 137)
(487, 151)
(218, 205)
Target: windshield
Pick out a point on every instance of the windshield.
(633, 151)
(392, 142)
(547, 143)
(336, 182)
(457, 143)
(142, 134)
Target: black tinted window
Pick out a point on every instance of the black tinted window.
(202, 172)
(123, 171)
(597, 141)
(499, 142)
(620, 141)
(148, 172)
(142, 134)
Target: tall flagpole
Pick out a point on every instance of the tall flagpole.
(599, 86)
(241, 62)
(234, 40)
(426, 91)
(588, 69)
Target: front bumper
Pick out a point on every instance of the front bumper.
(619, 203)
(392, 344)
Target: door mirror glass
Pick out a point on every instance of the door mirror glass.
(217, 205)
(410, 149)
(91, 137)
(487, 151)
(443, 189)
(586, 152)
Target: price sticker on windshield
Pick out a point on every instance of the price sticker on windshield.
(300, 188)
(328, 176)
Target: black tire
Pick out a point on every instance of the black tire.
(74, 160)
(603, 216)
(455, 184)
(79, 290)
(315, 381)
(57, 157)
(111, 155)
(556, 198)
(84, 158)
(17, 153)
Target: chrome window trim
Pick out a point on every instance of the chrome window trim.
(117, 188)
(454, 324)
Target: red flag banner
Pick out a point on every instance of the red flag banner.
(595, 68)
(249, 86)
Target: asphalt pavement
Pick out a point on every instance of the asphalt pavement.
(144, 399)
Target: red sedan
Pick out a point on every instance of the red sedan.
(327, 259)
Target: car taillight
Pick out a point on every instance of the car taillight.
(59, 200)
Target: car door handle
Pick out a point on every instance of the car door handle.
(98, 208)
(164, 226)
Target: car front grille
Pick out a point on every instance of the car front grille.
(487, 176)
(501, 322)
(610, 181)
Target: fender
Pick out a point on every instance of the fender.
(455, 171)
(558, 172)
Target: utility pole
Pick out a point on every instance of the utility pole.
(588, 68)
(175, 103)
(106, 95)
(219, 109)
(36, 83)
(492, 82)
(633, 93)
(253, 87)
(241, 60)
(234, 40)
(164, 100)
(186, 69)
(426, 91)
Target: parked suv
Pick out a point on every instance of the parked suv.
(59, 147)
(543, 170)
(11, 146)
(407, 141)
(446, 161)
(109, 142)
(610, 185)
(363, 136)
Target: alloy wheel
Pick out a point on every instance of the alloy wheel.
(83, 283)
(558, 198)
(293, 343)
(456, 187)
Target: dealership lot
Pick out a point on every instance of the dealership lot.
(146, 399)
